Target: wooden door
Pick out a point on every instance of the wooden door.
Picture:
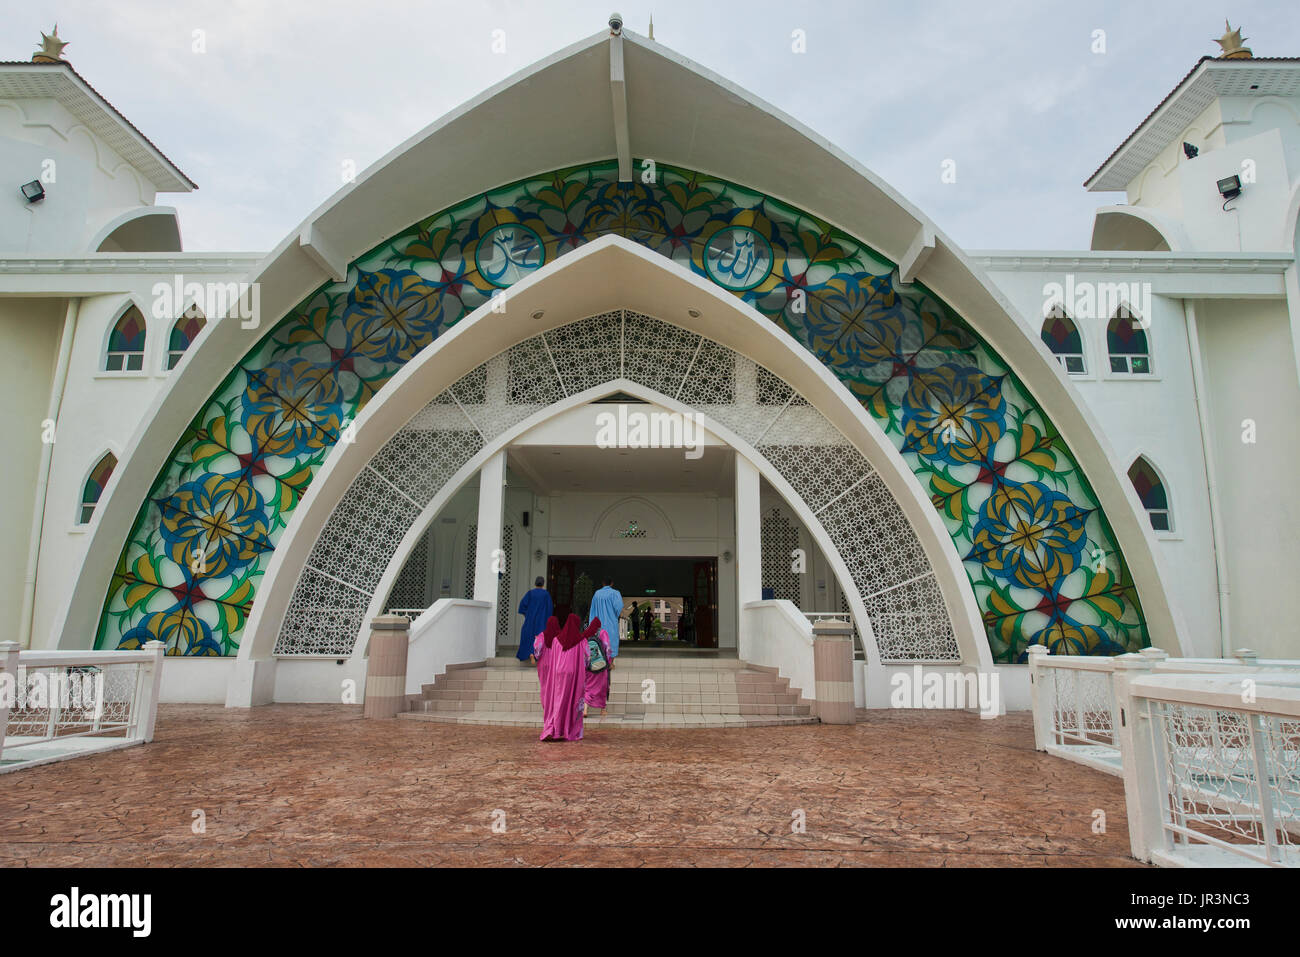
(559, 580)
(705, 578)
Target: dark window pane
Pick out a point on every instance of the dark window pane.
(1074, 364)
(1141, 365)
(1118, 364)
(1159, 521)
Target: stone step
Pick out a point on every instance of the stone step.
(689, 692)
(638, 722)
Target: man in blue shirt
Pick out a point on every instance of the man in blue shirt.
(536, 608)
(607, 605)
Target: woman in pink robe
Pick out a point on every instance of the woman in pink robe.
(540, 644)
(566, 684)
(597, 690)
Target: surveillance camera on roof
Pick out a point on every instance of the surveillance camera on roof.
(616, 23)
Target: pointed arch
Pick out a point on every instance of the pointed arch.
(1061, 336)
(184, 331)
(1153, 493)
(93, 487)
(124, 348)
(1128, 342)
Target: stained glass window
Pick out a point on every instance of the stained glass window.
(1151, 491)
(1126, 341)
(99, 476)
(126, 343)
(1062, 336)
(184, 332)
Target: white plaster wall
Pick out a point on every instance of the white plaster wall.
(1251, 374)
(30, 330)
(195, 680)
(92, 183)
(1263, 132)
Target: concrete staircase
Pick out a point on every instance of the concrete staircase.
(690, 691)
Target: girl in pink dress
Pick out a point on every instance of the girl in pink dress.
(540, 644)
(566, 683)
(597, 690)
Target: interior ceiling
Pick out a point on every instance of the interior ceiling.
(560, 469)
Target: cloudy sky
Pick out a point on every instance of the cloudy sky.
(1011, 90)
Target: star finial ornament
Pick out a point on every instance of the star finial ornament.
(51, 47)
(1231, 43)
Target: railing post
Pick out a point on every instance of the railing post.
(1246, 656)
(1258, 725)
(9, 658)
(833, 672)
(150, 683)
(386, 667)
(1042, 694)
(1145, 790)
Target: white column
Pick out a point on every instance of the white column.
(749, 546)
(489, 560)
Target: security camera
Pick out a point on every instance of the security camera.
(616, 23)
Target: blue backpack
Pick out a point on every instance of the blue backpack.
(595, 655)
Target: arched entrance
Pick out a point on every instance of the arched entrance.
(357, 524)
(1039, 555)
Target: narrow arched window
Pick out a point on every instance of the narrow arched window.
(1126, 341)
(1151, 490)
(126, 343)
(94, 487)
(1061, 336)
(184, 332)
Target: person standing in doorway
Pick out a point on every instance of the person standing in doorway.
(649, 622)
(636, 622)
(536, 608)
(607, 605)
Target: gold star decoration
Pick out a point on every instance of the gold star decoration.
(51, 47)
(1231, 42)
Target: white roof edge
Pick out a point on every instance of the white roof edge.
(175, 182)
(1101, 181)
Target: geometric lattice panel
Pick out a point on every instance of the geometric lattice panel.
(861, 518)
(780, 538)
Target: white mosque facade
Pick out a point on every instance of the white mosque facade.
(429, 393)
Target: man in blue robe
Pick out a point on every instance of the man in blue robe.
(536, 608)
(607, 605)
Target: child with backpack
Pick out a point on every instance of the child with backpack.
(600, 662)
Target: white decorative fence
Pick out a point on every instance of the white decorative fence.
(61, 704)
(1209, 749)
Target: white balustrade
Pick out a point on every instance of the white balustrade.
(61, 704)
(1209, 749)
(1212, 768)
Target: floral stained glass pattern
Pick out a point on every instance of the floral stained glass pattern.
(1041, 557)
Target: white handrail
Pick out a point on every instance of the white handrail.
(775, 634)
(449, 632)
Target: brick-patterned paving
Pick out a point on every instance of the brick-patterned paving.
(318, 785)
